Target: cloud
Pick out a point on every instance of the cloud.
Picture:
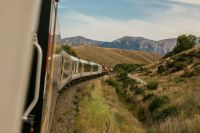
(187, 1)
(170, 23)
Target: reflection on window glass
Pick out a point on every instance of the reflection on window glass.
(95, 68)
(80, 67)
(87, 68)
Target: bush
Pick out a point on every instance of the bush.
(112, 82)
(148, 96)
(188, 73)
(141, 114)
(179, 66)
(123, 77)
(127, 67)
(139, 91)
(69, 50)
(133, 87)
(165, 112)
(152, 85)
(179, 80)
(158, 102)
(161, 70)
(184, 58)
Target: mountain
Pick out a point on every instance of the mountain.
(79, 40)
(139, 43)
(127, 42)
(110, 56)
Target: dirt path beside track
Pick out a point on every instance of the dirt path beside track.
(66, 110)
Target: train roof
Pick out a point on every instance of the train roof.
(84, 61)
(92, 63)
(74, 58)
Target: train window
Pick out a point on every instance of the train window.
(67, 65)
(87, 68)
(80, 67)
(74, 65)
(95, 68)
(66, 75)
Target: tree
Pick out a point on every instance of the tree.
(184, 42)
(69, 50)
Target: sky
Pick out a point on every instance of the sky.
(107, 20)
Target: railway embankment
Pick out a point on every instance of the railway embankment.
(101, 110)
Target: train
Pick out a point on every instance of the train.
(69, 69)
(33, 72)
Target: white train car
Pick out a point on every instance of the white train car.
(66, 70)
(86, 68)
(100, 69)
(76, 74)
(94, 68)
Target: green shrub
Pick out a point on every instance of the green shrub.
(112, 82)
(133, 87)
(165, 112)
(161, 69)
(184, 58)
(126, 81)
(148, 96)
(127, 67)
(179, 80)
(158, 102)
(138, 91)
(141, 114)
(152, 85)
(69, 50)
(188, 73)
(179, 66)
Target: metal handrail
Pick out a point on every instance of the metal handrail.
(37, 82)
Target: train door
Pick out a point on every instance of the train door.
(17, 26)
(48, 37)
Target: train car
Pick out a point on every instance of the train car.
(100, 69)
(66, 69)
(105, 69)
(86, 68)
(94, 68)
(76, 74)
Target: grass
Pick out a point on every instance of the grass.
(179, 125)
(101, 111)
(152, 85)
(113, 57)
(148, 97)
(158, 102)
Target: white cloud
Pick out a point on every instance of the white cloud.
(187, 1)
(171, 23)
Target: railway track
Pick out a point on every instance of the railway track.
(66, 110)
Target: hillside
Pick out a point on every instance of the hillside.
(164, 96)
(172, 95)
(112, 57)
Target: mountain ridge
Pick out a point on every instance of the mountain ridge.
(126, 42)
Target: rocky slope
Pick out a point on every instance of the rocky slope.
(126, 42)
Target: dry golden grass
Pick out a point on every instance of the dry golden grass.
(184, 95)
(100, 111)
(112, 57)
